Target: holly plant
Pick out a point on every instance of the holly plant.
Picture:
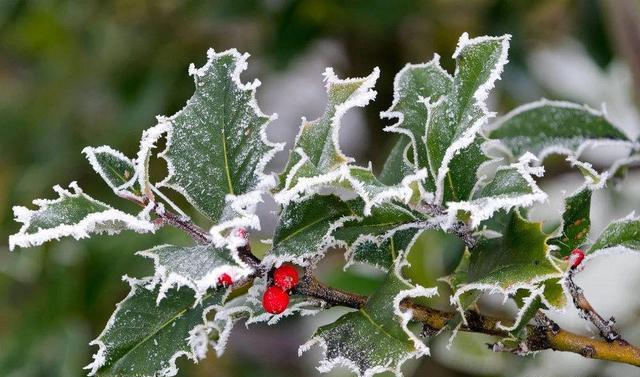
(453, 170)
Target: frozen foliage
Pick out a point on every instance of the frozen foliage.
(198, 267)
(455, 120)
(73, 214)
(517, 260)
(513, 186)
(145, 339)
(412, 84)
(547, 127)
(316, 160)
(438, 176)
(376, 338)
(117, 170)
(217, 146)
(304, 230)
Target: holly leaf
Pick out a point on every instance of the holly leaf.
(512, 186)
(397, 166)
(378, 239)
(73, 214)
(546, 127)
(145, 339)
(316, 161)
(376, 338)
(198, 267)
(518, 260)
(620, 235)
(455, 119)
(217, 147)
(117, 170)
(414, 84)
(304, 229)
(463, 178)
(576, 222)
(316, 155)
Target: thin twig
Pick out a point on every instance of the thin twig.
(184, 224)
(544, 336)
(606, 328)
(459, 228)
(198, 234)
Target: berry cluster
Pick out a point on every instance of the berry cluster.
(276, 298)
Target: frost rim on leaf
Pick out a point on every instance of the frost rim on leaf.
(243, 204)
(89, 224)
(392, 113)
(558, 149)
(196, 354)
(171, 279)
(483, 208)
(307, 186)
(480, 96)
(90, 154)
(404, 317)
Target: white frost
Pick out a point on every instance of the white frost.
(483, 208)
(110, 221)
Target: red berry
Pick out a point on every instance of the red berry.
(576, 257)
(285, 277)
(275, 300)
(225, 280)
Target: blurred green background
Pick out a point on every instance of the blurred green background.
(78, 73)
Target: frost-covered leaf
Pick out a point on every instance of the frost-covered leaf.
(216, 145)
(316, 161)
(316, 155)
(304, 229)
(375, 338)
(621, 234)
(379, 238)
(412, 85)
(463, 178)
(197, 267)
(374, 193)
(576, 222)
(546, 127)
(520, 256)
(512, 186)
(74, 214)
(397, 166)
(118, 170)
(144, 339)
(519, 259)
(455, 120)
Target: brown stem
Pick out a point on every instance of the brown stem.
(194, 231)
(459, 229)
(546, 335)
(247, 256)
(198, 234)
(606, 328)
(309, 286)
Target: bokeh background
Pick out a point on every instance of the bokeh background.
(93, 72)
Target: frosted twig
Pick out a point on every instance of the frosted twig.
(183, 223)
(544, 336)
(459, 229)
(606, 328)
